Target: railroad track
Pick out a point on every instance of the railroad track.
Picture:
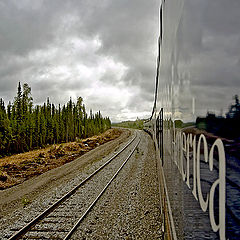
(61, 219)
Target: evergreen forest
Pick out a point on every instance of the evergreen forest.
(24, 126)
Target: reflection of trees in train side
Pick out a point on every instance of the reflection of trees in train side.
(228, 126)
(197, 222)
(228, 130)
(208, 177)
(232, 186)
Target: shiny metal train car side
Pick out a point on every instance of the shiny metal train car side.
(195, 120)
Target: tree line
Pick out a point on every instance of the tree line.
(137, 124)
(24, 126)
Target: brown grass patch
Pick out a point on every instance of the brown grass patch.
(20, 167)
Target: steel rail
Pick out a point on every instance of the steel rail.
(100, 194)
(50, 209)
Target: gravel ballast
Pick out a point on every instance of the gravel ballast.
(129, 209)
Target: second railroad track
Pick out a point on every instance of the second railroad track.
(61, 219)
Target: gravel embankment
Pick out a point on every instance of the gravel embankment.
(23, 202)
(78, 203)
(129, 209)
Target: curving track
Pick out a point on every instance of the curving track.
(62, 218)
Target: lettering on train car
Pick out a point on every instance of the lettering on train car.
(181, 146)
(198, 88)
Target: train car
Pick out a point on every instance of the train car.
(195, 120)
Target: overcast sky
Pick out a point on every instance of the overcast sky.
(104, 51)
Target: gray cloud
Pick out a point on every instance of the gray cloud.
(81, 48)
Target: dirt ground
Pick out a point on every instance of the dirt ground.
(21, 167)
(14, 197)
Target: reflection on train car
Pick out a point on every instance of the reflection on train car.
(195, 120)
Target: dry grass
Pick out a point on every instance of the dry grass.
(20, 167)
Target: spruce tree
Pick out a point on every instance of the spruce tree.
(24, 127)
